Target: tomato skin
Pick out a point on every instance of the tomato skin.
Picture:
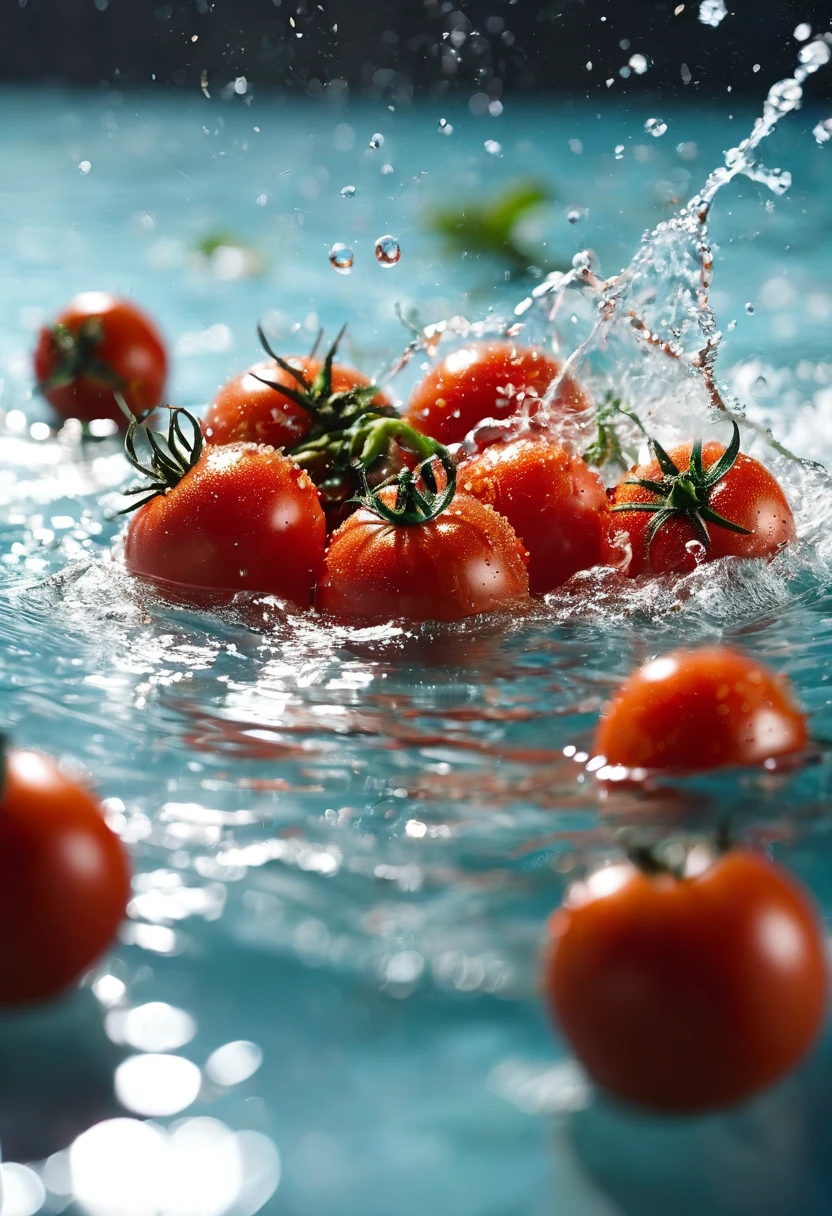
(553, 500)
(484, 380)
(748, 495)
(466, 561)
(246, 410)
(130, 346)
(700, 709)
(244, 518)
(688, 995)
(65, 880)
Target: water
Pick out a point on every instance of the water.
(347, 842)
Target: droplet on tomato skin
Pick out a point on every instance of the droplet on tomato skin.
(697, 550)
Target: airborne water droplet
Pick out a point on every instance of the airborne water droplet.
(749, 308)
(377, 140)
(574, 214)
(444, 127)
(655, 127)
(712, 12)
(582, 260)
(388, 251)
(85, 167)
(823, 131)
(493, 148)
(341, 258)
(619, 151)
(348, 192)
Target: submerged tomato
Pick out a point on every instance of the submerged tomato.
(700, 709)
(748, 496)
(246, 409)
(690, 994)
(244, 518)
(101, 344)
(485, 380)
(465, 561)
(64, 880)
(553, 500)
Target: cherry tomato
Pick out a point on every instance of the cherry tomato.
(700, 709)
(747, 496)
(65, 880)
(553, 500)
(465, 561)
(484, 380)
(243, 518)
(246, 409)
(688, 994)
(99, 344)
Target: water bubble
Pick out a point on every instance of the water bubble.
(85, 166)
(815, 55)
(639, 64)
(619, 151)
(749, 308)
(388, 251)
(377, 140)
(341, 258)
(655, 127)
(495, 108)
(493, 148)
(712, 12)
(823, 131)
(444, 127)
(348, 192)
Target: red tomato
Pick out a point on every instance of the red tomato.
(65, 880)
(554, 501)
(465, 561)
(100, 343)
(244, 518)
(245, 409)
(484, 380)
(747, 495)
(700, 709)
(688, 994)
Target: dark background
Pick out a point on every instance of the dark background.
(393, 50)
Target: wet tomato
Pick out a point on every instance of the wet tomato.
(99, 345)
(247, 409)
(697, 503)
(688, 994)
(700, 709)
(485, 380)
(64, 881)
(553, 500)
(464, 561)
(243, 517)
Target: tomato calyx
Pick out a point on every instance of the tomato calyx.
(171, 456)
(329, 411)
(671, 856)
(419, 496)
(607, 447)
(76, 355)
(686, 493)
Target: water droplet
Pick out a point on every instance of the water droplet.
(696, 549)
(575, 213)
(493, 148)
(85, 167)
(712, 12)
(495, 108)
(582, 260)
(377, 140)
(639, 64)
(444, 127)
(802, 32)
(749, 308)
(815, 54)
(655, 127)
(823, 131)
(387, 169)
(619, 151)
(732, 325)
(341, 258)
(262, 199)
(348, 192)
(388, 251)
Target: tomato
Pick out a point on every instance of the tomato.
(688, 994)
(485, 380)
(64, 884)
(246, 409)
(99, 344)
(697, 516)
(464, 561)
(553, 500)
(241, 517)
(700, 709)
